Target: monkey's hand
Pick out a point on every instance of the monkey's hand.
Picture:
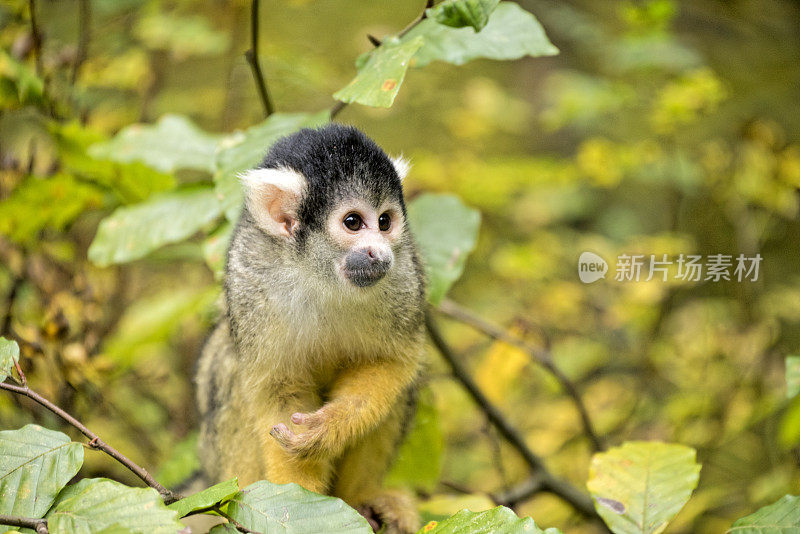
(318, 439)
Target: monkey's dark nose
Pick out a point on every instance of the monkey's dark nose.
(365, 266)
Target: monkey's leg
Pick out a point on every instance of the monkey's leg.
(360, 399)
(360, 472)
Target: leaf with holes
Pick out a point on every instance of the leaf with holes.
(640, 486)
(174, 142)
(380, 73)
(132, 232)
(499, 519)
(96, 504)
(244, 150)
(446, 231)
(35, 463)
(782, 517)
(9, 354)
(290, 509)
(511, 33)
(461, 13)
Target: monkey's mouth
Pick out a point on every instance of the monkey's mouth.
(364, 277)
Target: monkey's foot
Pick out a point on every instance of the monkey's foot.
(393, 510)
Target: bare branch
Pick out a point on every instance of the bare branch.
(422, 16)
(84, 34)
(39, 525)
(541, 356)
(253, 59)
(559, 487)
(36, 35)
(519, 493)
(94, 440)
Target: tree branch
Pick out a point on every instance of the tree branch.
(561, 488)
(252, 58)
(39, 525)
(541, 356)
(422, 16)
(94, 440)
(84, 34)
(36, 35)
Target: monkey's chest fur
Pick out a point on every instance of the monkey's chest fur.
(287, 345)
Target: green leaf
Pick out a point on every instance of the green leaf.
(511, 33)
(640, 486)
(132, 232)
(96, 504)
(172, 143)
(244, 150)
(782, 517)
(30, 87)
(419, 460)
(460, 13)
(208, 497)
(499, 519)
(133, 182)
(381, 74)
(35, 463)
(215, 249)
(9, 353)
(446, 231)
(53, 202)
(792, 376)
(288, 508)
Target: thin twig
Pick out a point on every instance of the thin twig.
(94, 440)
(252, 58)
(559, 487)
(36, 35)
(422, 16)
(39, 525)
(84, 34)
(519, 493)
(541, 356)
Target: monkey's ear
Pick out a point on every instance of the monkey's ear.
(401, 166)
(273, 196)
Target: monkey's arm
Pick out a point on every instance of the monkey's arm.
(359, 400)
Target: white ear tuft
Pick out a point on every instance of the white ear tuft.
(272, 197)
(401, 166)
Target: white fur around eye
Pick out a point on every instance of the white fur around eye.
(401, 166)
(272, 197)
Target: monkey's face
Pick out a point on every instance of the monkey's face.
(365, 235)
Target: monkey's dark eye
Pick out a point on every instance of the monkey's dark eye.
(384, 222)
(353, 222)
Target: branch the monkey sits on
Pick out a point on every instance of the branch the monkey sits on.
(310, 375)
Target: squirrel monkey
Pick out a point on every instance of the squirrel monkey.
(310, 375)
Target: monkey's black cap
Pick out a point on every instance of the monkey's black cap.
(337, 162)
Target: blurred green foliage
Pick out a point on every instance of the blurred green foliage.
(663, 127)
